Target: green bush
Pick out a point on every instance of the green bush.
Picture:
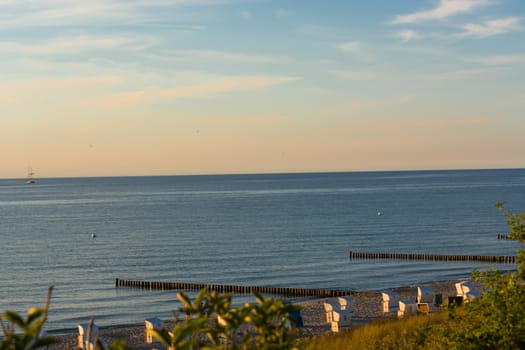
(25, 333)
(211, 323)
(264, 326)
(497, 320)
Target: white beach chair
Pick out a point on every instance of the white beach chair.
(390, 303)
(339, 319)
(89, 344)
(459, 288)
(425, 294)
(406, 308)
(329, 307)
(151, 323)
(469, 292)
(342, 320)
(345, 303)
(425, 298)
(334, 326)
(342, 317)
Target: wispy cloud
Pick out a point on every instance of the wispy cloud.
(102, 90)
(491, 27)
(380, 103)
(407, 35)
(501, 60)
(60, 83)
(206, 89)
(280, 12)
(246, 15)
(357, 51)
(320, 31)
(55, 13)
(60, 13)
(444, 9)
(226, 56)
(459, 74)
(46, 91)
(75, 44)
(351, 47)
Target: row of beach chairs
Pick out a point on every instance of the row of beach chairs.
(338, 312)
(392, 305)
(94, 342)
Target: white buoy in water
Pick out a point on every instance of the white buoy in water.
(93, 235)
(379, 213)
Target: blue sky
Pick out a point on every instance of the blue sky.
(202, 86)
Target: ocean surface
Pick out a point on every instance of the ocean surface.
(280, 230)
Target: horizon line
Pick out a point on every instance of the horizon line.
(271, 173)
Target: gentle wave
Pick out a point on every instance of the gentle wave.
(285, 230)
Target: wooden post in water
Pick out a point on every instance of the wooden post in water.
(283, 291)
(431, 257)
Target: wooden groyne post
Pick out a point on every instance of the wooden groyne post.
(502, 259)
(237, 289)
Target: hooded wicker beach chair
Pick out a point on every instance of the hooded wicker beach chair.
(425, 294)
(151, 323)
(390, 303)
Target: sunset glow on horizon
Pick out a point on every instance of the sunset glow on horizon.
(178, 87)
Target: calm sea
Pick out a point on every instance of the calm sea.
(281, 230)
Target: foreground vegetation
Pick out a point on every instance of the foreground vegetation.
(496, 321)
(407, 333)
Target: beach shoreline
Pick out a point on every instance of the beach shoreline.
(366, 309)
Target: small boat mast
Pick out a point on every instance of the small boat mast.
(30, 174)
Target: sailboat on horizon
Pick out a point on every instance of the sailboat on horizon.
(30, 179)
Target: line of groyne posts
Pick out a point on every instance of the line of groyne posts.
(236, 289)
(505, 259)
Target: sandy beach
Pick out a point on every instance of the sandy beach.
(366, 308)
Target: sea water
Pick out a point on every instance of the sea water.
(278, 230)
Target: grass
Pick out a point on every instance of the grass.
(418, 332)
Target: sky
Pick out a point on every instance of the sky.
(177, 87)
